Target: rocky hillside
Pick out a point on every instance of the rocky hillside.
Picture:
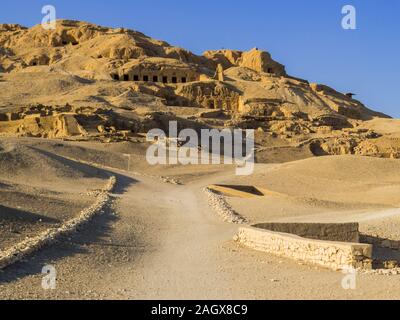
(83, 81)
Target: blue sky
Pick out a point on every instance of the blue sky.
(305, 35)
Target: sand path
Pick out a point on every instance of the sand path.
(161, 241)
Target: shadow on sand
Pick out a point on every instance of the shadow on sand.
(386, 253)
(94, 232)
(17, 215)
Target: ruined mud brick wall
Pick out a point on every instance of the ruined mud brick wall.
(381, 242)
(343, 232)
(330, 254)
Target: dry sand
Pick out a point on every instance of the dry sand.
(40, 190)
(177, 247)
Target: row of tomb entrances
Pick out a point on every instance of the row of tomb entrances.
(145, 78)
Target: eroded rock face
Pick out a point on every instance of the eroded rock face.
(362, 143)
(37, 46)
(66, 121)
(113, 83)
(257, 60)
(211, 95)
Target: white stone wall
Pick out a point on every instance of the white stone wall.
(330, 254)
(218, 203)
(21, 250)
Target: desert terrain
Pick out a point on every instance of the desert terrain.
(75, 106)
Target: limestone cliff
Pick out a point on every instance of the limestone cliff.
(120, 82)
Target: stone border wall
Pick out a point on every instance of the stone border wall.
(330, 254)
(218, 203)
(30, 245)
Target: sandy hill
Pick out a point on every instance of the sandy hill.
(18, 161)
(40, 189)
(330, 175)
(344, 177)
(91, 82)
(331, 188)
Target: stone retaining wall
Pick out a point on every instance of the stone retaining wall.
(330, 254)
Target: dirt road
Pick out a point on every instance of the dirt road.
(161, 241)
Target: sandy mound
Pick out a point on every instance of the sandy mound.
(321, 188)
(337, 178)
(40, 189)
(19, 162)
